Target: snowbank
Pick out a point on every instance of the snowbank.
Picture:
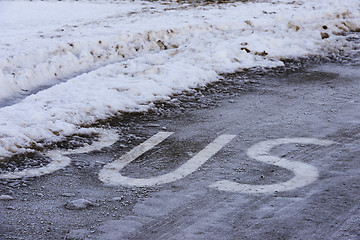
(99, 58)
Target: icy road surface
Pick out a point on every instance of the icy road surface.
(264, 155)
(65, 65)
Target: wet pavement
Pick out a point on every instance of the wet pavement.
(274, 115)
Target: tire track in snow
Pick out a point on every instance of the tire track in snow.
(70, 60)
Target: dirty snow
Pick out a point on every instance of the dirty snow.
(64, 65)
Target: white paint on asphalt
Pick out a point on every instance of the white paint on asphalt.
(110, 174)
(59, 161)
(305, 174)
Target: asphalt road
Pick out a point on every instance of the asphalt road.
(260, 155)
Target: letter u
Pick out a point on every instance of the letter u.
(111, 175)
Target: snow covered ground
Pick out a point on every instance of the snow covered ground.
(67, 64)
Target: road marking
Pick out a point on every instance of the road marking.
(305, 174)
(110, 174)
(59, 161)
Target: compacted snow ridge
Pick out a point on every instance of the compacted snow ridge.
(65, 65)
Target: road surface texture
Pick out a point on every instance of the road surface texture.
(260, 155)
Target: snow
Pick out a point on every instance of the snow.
(65, 65)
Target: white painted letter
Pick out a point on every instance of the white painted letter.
(305, 174)
(110, 174)
(59, 161)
